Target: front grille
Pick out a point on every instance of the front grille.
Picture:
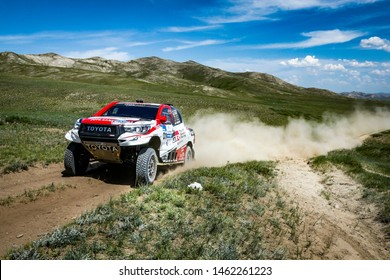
(103, 132)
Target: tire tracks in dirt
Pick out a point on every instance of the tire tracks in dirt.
(23, 222)
(342, 224)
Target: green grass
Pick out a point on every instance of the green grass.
(234, 217)
(23, 144)
(38, 106)
(240, 214)
(32, 195)
(370, 165)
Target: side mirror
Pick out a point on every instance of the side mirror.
(163, 119)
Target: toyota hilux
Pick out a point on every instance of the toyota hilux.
(141, 135)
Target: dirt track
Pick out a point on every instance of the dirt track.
(339, 224)
(22, 222)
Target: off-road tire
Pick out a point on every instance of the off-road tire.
(146, 167)
(76, 159)
(189, 156)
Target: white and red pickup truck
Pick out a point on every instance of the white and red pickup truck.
(141, 135)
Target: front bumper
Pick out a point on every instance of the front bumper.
(104, 151)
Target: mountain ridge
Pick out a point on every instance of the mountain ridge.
(160, 71)
(364, 95)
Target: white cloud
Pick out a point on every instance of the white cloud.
(245, 17)
(305, 4)
(182, 29)
(132, 44)
(58, 35)
(252, 10)
(355, 63)
(36, 37)
(383, 72)
(109, 53)
(317, 38)
(195, 44)
(376, 43)
(334, 67)
(243, 64)
(385, 64)
(336, 75)
(354, 73)
(305, 62)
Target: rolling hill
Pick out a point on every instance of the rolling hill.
(248, 210)
(357, 94)
(189, 85)
(189, 74)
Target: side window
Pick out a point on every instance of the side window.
(167, 112)
(176, 116)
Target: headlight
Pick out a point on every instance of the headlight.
(139, 129)
(77, 124)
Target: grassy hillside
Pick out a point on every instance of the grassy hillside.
(35, 112)
(240, 214)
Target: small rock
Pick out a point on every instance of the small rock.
(20, 236)
(195, 186)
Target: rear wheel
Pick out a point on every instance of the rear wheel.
(146, 167)
(76, 159)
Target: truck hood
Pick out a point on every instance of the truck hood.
(113, 120)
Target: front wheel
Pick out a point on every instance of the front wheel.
(146, 167)
(189, 157)
(76, 159)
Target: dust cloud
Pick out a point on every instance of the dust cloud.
(223, 138)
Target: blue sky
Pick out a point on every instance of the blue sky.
(340, 45)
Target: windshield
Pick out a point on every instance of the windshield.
(132, 111)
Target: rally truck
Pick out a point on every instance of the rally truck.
(140, 135)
